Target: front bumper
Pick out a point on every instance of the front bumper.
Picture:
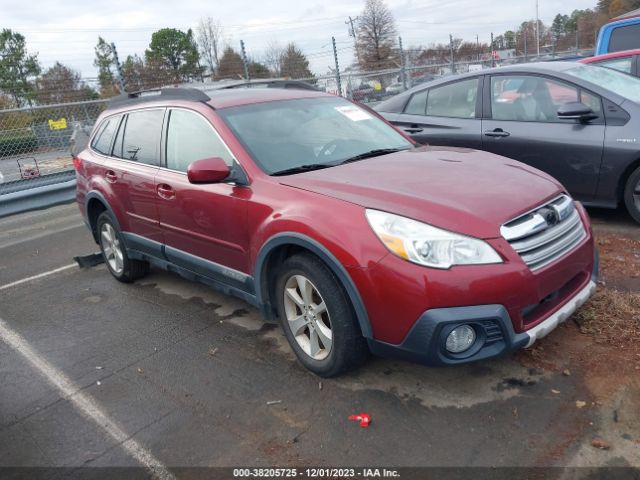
(493, 326)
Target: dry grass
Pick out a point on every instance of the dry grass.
(611, 316)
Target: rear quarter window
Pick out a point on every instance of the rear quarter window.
(102, 141)
(625, 38)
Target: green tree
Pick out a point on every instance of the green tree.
(104, 62)
(18, 68)
(614, 8)
(141, 74)
(230, 65)
(294, 63)
(258, 70)
(177, 50)
(376, 37)
(61, 84)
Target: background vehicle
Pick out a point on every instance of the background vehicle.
(576, 122)
(622, 33)
(626, 61)
(308, 207)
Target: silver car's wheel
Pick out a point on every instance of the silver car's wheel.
(632, 195)
(307, 317)
(111, 248)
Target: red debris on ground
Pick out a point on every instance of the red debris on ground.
(363, 418)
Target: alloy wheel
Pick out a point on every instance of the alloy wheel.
(307, 317)
(111, 248)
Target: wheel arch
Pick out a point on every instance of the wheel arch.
(622, 182)
(283, 245)
(95, 204)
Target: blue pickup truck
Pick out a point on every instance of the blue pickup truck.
(623, 33)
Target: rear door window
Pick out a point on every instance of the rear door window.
(141, 139)
(102, 141)
(418, 103)
(455, 100)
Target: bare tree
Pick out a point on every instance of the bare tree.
(376, 37)
(273, 55)
(209, 39)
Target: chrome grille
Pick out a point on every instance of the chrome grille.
(546, 233)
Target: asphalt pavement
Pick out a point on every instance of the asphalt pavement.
(164, 373)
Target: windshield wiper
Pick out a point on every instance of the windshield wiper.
(372, 153)
(302, 168)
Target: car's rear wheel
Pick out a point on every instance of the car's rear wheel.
(632, 195)
(318, 318)
(115, 255)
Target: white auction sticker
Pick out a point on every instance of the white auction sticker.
(353, 113)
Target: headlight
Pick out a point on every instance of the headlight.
(426, 245)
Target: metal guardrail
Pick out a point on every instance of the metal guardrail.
(40, 192)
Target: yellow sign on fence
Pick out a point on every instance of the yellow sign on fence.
(60, 124)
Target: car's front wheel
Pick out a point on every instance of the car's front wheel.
(632, 195)
(318, 318)
(115, 255)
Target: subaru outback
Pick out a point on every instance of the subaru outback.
(335, 224)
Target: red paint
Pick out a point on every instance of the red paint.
(610, 56)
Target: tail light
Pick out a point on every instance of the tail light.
(77, 163)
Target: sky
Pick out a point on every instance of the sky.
(68, 31)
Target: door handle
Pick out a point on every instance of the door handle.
(413, 129)
(165, 191)
(497, 133)
(110, 176)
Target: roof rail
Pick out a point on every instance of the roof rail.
(173, 93)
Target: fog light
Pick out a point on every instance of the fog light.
(461, 338)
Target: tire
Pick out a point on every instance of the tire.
(632, 195)
(340, 345)
(114, 254)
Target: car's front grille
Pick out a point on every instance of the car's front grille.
(546, 233)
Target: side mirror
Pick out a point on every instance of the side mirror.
(208, 170)
(576, 111)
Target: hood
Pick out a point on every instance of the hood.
(461, 190)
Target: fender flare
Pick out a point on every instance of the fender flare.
(327, 257)
(98, 196)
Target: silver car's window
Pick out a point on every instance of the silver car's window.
(620, 64)
(456, 100)
(534, 99)
(418, 103)
(620, 83)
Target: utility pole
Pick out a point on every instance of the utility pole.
(244, 61)
(526, 57)
(493, 52)
(538, 27)
(453, 65)
(335, 56)
(403, 72)
(352, 32)
(121, 80)
(478, 45)
(577, 40)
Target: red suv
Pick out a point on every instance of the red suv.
(335, 224)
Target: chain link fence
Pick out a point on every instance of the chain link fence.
(35, 141)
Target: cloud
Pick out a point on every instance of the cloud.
(68, 31)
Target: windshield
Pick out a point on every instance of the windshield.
(620, 83)
(310, 132)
